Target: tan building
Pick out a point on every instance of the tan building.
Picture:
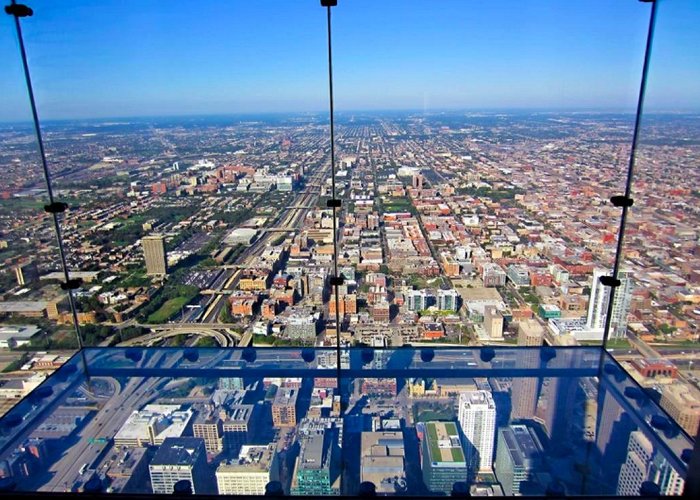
(493, 322)
(254, 280)
(682, 402)
(208, 427)
(255, 467)
(347, 304)
(383, 460)
(154, 254)
(530, 333)
(284, 412)
(525, 390)
(450, 265)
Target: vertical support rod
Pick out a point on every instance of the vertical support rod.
(333, 191)
(47, 178)
(630, 169)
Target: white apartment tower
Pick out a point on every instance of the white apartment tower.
(598, 304)
(477, 417)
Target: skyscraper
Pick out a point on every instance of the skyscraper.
(477, 417)
(518, 457)
(646, 464)
(444, 463)
(447, 300)
(613, 428)
(177, 459)
(682, 402)
(598, 304)
(317, 468)
(493, 322)
(525, 390)
(559, 395)
(154, 253)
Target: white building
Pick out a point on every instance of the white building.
(643, 463)
(250, 472)
(179, 459)
(152, 425)
(598, 304)
(477, 417)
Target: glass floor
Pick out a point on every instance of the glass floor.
(406, 421)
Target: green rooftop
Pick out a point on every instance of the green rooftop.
(444, 442)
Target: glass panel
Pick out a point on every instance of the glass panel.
(410, 421)
(661, 252)
(480, 147)
(35, 335)
(191, 151)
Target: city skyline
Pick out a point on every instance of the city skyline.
(499, 55)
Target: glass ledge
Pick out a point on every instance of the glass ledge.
(411, 421)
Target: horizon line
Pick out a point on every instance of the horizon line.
(436, 111)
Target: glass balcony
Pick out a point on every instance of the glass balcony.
(419, 422)
(392, 195)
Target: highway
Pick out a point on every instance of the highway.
(290, 220)
(106, 423)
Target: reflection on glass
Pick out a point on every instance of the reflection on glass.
(661, 252)
(34, 314)
(234, 422)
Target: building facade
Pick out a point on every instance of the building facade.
(154, 254)
(477, 417)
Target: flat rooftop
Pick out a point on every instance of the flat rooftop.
(444, 443)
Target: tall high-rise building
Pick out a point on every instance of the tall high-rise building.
(493, 322)
(237, 426)
(382, 461)
(317, 468)
(444, 463)
(154, 254)
(477, 417)
(518, 457)
(598, 304)
(560, 396)
(646, 464)
(417, 181)
(525, 390)
(250, 472)
(682, 402)
(178, 459)
(613, 428)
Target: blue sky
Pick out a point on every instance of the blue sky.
(127, 58)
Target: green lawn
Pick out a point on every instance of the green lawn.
(457, 455)
(430, 411)
(167, 310)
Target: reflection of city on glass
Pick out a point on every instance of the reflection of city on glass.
(232, 422)
(475, 222)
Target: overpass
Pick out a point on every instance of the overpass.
(222, 339)
(223, 333)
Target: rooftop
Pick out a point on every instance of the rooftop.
(179, 451)
(444, 443)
